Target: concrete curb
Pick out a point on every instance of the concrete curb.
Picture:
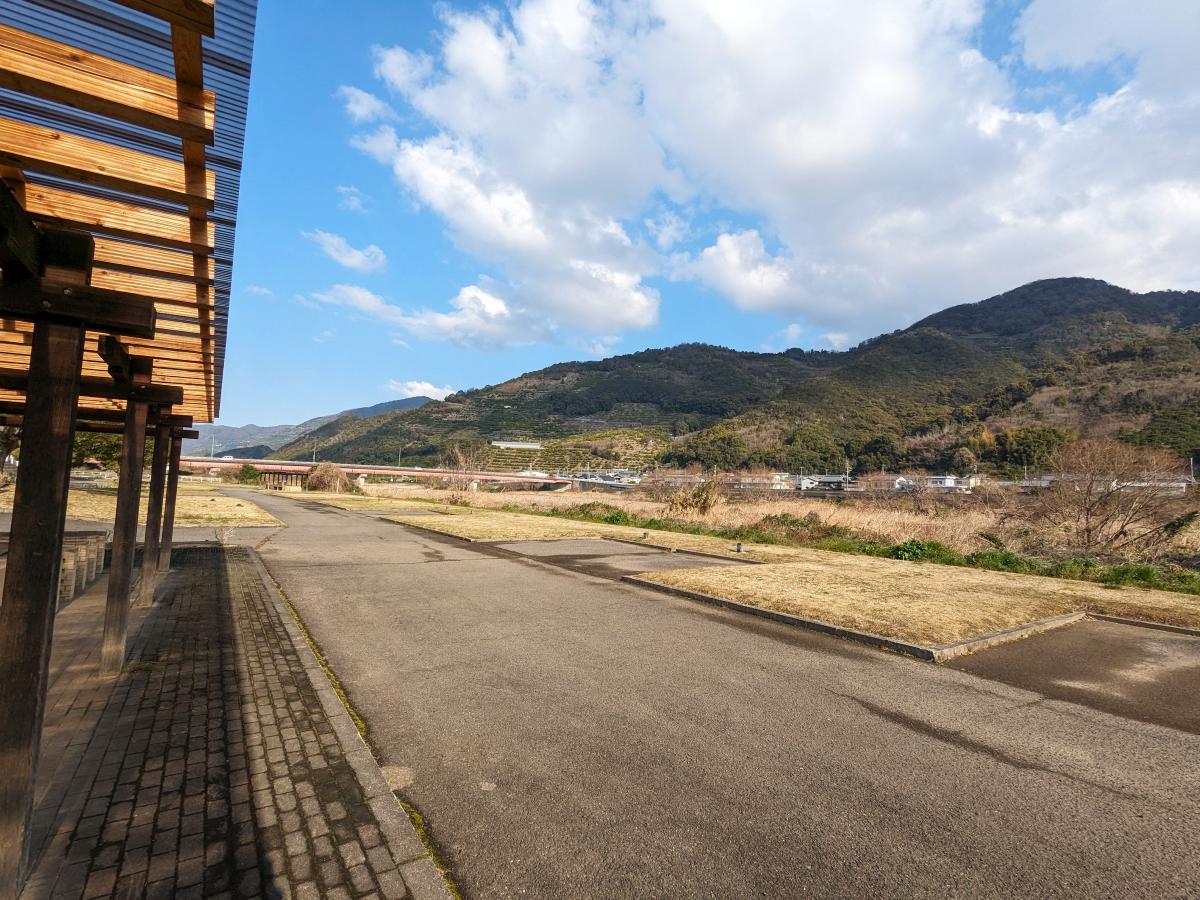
(688, 551)
(599, 537)
(943, 652)
(1142, 623)
(412, 858)
(936, 654)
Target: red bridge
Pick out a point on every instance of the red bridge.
(280, 472)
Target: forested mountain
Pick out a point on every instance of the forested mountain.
(995, 384)
(226, 439)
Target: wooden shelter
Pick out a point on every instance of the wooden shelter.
(121, 130)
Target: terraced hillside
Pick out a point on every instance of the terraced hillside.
(995, 385)
(625, 448)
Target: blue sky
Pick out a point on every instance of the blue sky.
(454, 194)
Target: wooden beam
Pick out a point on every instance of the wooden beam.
(168, 517)
(111, 311)
(20, 241)
(31, 64)
(189, 73)
(154, 261)
(129, 488)
(120, 364)
(167, 294)
(13, 414)
(68, 209)
(39, 149)
(31, 583)
(159, 394)
(154, 509)
(18, 331)
(66, 256)
(196, 15)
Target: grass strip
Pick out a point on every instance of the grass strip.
(791, 531)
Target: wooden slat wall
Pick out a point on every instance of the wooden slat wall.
(153, 236)
(33, 65)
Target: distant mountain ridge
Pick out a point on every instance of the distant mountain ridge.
(224, 438)
(989, 383)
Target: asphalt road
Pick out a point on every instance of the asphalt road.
(1141, 673)
(566, 735)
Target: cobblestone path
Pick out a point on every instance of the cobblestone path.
(223, 765)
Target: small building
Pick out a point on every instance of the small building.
(830, 482)
(761, 481)
(673, 478)
(884, 482)
(949, 484)
(517, 445)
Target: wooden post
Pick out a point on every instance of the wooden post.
(129, 489)
(168, 530)
(31, 580)
(154, 509)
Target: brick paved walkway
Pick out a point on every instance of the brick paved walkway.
(220, 764)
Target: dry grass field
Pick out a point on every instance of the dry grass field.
(919, 602)
(196, 505)
(956, 525)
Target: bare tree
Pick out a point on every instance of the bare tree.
(328, 478)
(1110, 498)
(464, 457)
(460, 457)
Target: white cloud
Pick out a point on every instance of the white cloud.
(259, 291)
(419, 389)
(837, 340)
(353, 199)
(324, 337)
(363, 301)
(337, 248)
(602, 346)
(577, 147)
(363, 107)
(739, 266)
(477, 319)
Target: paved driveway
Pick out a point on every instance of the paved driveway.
(566, 735)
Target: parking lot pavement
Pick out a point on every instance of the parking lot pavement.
(565, 735)
(1139, 673)
(610, 559)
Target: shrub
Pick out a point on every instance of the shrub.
(247, 474)
(998, 560)
(698, 499)
(1111, 499)
(327, 477)
(926, 551)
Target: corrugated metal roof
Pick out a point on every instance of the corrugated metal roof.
(125, 35)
